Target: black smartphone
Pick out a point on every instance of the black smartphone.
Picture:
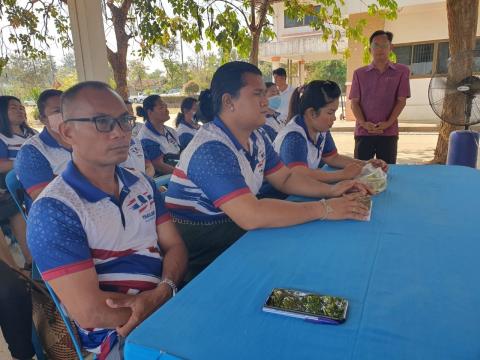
(306, 305)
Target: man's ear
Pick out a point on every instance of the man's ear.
(66, 131)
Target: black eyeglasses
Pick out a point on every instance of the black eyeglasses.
(106, 123)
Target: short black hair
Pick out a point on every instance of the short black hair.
(280, 72)
(70, 94)
(388, 34)
(269, 84)
(43, 98)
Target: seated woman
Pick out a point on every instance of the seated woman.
(159, 142)
(272, 122)
(14, 131)
(306, 141)
(212, 192)
(186, 126)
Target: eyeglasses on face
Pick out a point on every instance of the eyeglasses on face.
(380, 46)
(106, 123)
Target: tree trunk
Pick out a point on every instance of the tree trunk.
(118, 59)
(462, 25)
(255, 48)
(259, 11)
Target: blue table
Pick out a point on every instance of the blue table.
(411, 275)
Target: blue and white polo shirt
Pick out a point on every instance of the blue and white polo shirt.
(9, 147)
(155, 144)
(272, 125)
(215, 168)
(296, 149)
(185, 133)
(73, 226)
(39, 160)
(136, 158)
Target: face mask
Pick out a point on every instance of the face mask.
(274, 102)
(54, 121)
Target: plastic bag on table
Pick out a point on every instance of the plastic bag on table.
(373, 177)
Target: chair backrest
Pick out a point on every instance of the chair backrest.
(16, 190)
(66, 321)
(162, 180)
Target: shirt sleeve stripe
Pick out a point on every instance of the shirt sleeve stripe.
(37, 186)
(162, 219)
(231, 196)
(179, 173)
(67, 269)
(297, 163)
(331, 153)
(275, 168)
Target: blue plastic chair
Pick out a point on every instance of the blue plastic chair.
(16, 190)
(162, 180)
(66, 320)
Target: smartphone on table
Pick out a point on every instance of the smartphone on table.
(325, 309)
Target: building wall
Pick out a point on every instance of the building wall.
(416, 23)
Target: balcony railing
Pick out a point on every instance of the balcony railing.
(312, 46)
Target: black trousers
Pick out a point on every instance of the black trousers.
(206, 242)
(16, 313)
(383, 147)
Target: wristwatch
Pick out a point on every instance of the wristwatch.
(171, 284)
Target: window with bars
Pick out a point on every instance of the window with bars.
(420, 57)
(288, 22)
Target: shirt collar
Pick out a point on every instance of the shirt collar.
(85, 189)
(150, 127)
(300, 120)
(217, 121)
(187, 125)
(390, 65)
(48, 139)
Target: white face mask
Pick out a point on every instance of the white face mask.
(54, 121)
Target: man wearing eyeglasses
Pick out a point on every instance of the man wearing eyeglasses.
(43, 157)
(379, 93)
(100, 233)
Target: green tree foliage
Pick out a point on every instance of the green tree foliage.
(28, 27)
(243, 24)
(191, 88)
(137, 74)
(23, 77)
(230, 24)
(334, 70)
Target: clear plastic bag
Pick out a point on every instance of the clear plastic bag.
(373, 177)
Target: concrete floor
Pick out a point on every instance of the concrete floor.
(413, 148)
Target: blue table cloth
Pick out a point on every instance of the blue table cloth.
(411, 276)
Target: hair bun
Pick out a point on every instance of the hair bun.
(140, 111)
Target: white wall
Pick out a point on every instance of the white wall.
(418, 107)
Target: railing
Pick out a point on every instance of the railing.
(302, 45)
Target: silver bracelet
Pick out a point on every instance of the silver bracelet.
(327, 209)
(171, 284)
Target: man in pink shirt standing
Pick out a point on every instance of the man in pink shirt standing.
(379, 93)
